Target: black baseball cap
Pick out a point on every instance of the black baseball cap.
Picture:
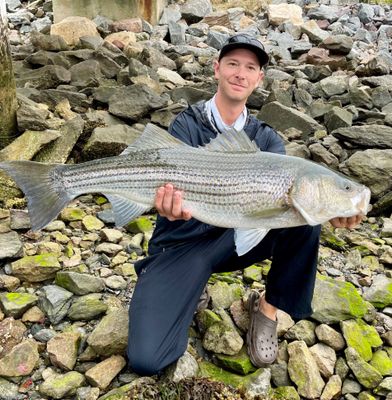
(245, 41)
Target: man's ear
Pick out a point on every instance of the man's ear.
(261, 77)
(216, 69)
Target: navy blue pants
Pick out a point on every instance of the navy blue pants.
(171, 280)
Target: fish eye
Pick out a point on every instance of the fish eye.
(347, 186)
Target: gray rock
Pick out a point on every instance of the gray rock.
(384, 388)
(58, 151)
(13, 5)
(194, 10)
(330, 13)
(365, 13)
(90, 42)
(46, 77)
(360, 96)
(302, 330)
(371, 167)
(28, 145)
(303, 370)
(170, 13)
(281, 118)
(339, 44)
(10, 245)
(53, 96)
(135, 102)
(321, 155)
(9, 391)
(42, 24)
(381, 97)
(104, 372)
(350, 386)
(216, 39)
(155, 59)
(48, 42)
(30, 116)
(86, 74)
(15, 304)
(223, 295)
(44, 335)
(109, 67)
(334, 301)
(223, 339)
(20, 361)
(55, 302)
(79, 284)
(109, 141)
(378, 136)
(63, 349)
(333, 85)
(260, 384)
(11, 333)
(325, 358)
(337, 118)
(116, 282)
(367, 375)
(58, 386)
(87, 307)
(177, 32)
(332, 389)
(110, 336)
(330, 336)
(380, 291)
(185, 367)
(341, 368)
(87, 393)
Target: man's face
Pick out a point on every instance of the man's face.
(238, 74)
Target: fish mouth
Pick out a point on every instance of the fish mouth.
(361, 201)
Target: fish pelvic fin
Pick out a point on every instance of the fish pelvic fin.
(46, 195)
(124, 209)
(246, 239)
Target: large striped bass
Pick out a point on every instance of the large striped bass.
(228, 182)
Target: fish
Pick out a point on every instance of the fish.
(228, 183)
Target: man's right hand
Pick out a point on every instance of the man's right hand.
(168, 203)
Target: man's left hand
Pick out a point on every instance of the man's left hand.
(343, 222)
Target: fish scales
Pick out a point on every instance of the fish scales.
(205, 178)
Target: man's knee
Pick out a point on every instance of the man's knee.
(144, 363)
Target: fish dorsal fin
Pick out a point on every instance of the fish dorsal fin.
(246, 239)
(153, 137)
(125, 210)
(232, 141)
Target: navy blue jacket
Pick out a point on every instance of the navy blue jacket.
(193, 127)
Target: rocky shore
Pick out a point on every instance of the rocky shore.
(85, 90)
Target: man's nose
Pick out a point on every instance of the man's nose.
(240, 73)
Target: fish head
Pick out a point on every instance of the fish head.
(321, 197)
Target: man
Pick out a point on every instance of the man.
(184, 252)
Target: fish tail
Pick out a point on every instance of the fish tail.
(46, 195)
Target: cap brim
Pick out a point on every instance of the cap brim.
(260, 53)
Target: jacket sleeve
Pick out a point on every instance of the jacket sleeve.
(268, 140)
(275, 143)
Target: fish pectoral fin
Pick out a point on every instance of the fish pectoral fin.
(308, 218)
(125, 210)
(246, 239)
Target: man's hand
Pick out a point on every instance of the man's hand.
(343, 222)
(168, 203)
